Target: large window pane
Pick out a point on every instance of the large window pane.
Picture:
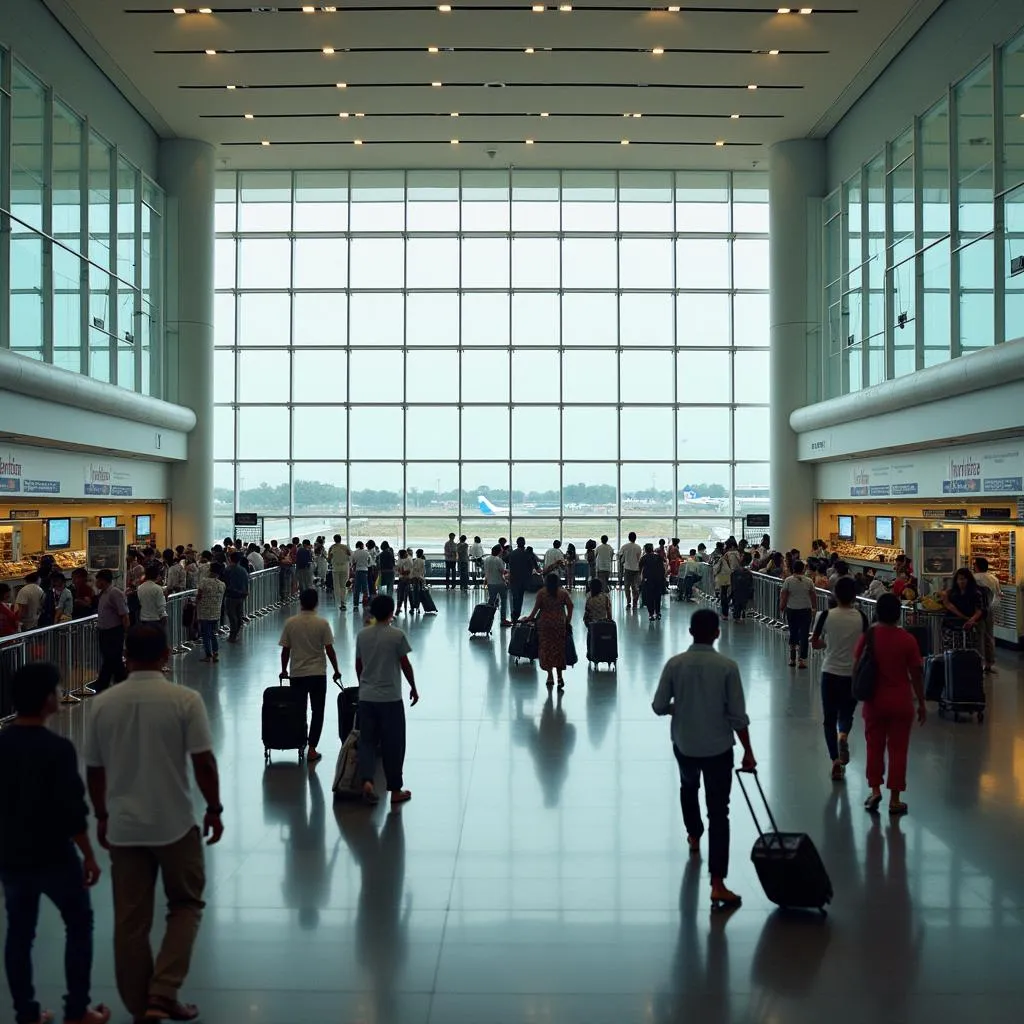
(432, 489)
(432, 202)
(751, 377)
(319, 429)
(590, 319)
(645, 263)
(590, 432)
(702, 263)
(323, 377)
(485, 375)
(433, 319)
(263, 432)
(752, 428)
(646, 320)
(263, 319)
(647, 490)
(264, 263)
(646, 376)
(263, 376)
(646, 433)
(535, 376)
(751, 321)
(321, 201)
(265, 201)
(320, 318)
(645, 201)
(432, 263)
(378, 201)
(535, 201)
(590, 376)
(432, 376)
(536, 318)
(485, 318)
(535, 263)
(589, 263)
(703, 319)
(377, 263)
(375, 432)
(485, 431)
(321, 262)
(432, 432)
(702, 201)
(703, 432)
(375, 376)
(704, 377)
(750, 263)
(589, 488)
(485, 262)
(376, 318)
(588, 201)
(535, 432)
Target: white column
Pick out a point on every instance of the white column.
(796, 178)
(187, 176)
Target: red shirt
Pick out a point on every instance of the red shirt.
(8, 620)
(897, 656)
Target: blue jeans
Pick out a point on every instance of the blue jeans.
(208, 631)
(62, 885)
(361, 586)
(500, 592)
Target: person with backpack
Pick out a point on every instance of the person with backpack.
(889, 711)
(796, 603)
(837, 632)
(741, 586)
(991, 592)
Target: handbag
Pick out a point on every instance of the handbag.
(571, 657)
(865, 672)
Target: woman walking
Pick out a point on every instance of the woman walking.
(889, 713)
(591, 550)
(964, 606)
(797, 605)
(652, 580)
(570, 566)
(553, 614)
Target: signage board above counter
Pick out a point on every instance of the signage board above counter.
(972, 471)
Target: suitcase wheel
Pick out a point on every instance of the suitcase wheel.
(266, 754)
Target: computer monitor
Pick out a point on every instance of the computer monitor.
(108, 522)
(143, 527)
(845, 530)
(58, 534)
(884, 529)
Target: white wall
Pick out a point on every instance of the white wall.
(957, 37)
(40, 42)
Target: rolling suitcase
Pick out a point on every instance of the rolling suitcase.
(934, 677)
(571, 657)
(787, 863)
(963, 690)
(602, 642)
(482, 619)
(427, 605)
(523, 642)
(284, 720)
(348, 705)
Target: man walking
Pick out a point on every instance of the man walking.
(521, 567)
(43, 817)
(340, 556)
(382, 658)
(111, 623)
(236, 584)
(691, 690)
(304, 566)
(494, 576)
(307, 641)
(140, 738)
(451, 550)
(629, 563)
(603, 556)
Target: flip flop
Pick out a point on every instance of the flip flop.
(872, 804)
(170, 1009)
(402, 797)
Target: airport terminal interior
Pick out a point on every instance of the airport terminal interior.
(558, 271)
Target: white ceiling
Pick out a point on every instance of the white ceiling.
(590, 66)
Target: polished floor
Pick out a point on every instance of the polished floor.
(539, 875)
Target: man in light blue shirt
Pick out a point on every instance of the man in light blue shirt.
(702, 691)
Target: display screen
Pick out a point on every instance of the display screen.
(845, 530)
(143, 527)
(108, 522)
(58, 533)
(884, 526)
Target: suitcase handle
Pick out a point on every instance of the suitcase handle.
(757, 824)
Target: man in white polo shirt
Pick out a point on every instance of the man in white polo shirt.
(629, 562)
(307, 642)
(140, 738)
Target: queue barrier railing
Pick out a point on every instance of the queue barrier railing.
(74, 646)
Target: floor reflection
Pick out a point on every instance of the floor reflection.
(550, 742)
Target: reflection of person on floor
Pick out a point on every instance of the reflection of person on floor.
(551, 744)
(382, 918)
(307, 874)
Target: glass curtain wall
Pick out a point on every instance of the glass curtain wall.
(81, 264)
(919, 245)
(556, 354)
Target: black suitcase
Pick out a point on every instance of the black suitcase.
(787, 863)
(482, 619)
(602, 642)
(284, 720)
(963, 691)
(348, 705)
(571, 657)
(427, 605)
(923, 637)
(934, 677)
(523, 642)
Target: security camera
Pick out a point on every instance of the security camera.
(492, 153)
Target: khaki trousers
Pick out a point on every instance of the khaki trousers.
(134, 872)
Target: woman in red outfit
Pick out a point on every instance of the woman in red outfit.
(889, 714)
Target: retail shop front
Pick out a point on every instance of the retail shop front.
(942, 507)
(51, 500)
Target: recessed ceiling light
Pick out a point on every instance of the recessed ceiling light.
(752, 87)
(773, 53)
(359, 113)
(538, 8)
(230, 87)
(209, 10)
(344, 113)
(357, 142)
(436, 85)
(529, 142)
(178, 10)
(265, 142)
(455, 142)
(638, 115)
(806, 10)
(658, 51)
(328, 50)
(565, 7)
(624, 142)
(720, 143)
(785, 10)
(734, 117)
(544, 113)
(673, 10)
(342, 85)
(432, 49)
(211, 53)
(529, 49)
(248, 117)
(308, 10)
(330, 10)
(454, 113)
(444, 8)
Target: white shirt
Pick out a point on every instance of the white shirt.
(306, 635)
(801, 594)
(841, 630)
(552, 557)
(152, 603)
(256, 561)
(991, 581)
(419, 569)
(476, 550)
(494, 570)
(143, 733)
(403, 566)
(361, 559)
(629, 556)
(30, 601)
(176, 576)
(603, 557)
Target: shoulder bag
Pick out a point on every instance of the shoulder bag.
(865, 672)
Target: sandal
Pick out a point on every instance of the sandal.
(838, 772)
(898, 809)
(401, 797)
(170, 1009)
(872, 804)
(725, 900)
(693, 842)
(99, 1014)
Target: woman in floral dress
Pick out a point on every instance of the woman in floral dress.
(553, 613)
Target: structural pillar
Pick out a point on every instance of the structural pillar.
(796, 181)
(187, 177)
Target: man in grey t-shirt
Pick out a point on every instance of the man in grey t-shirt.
(382, 658)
